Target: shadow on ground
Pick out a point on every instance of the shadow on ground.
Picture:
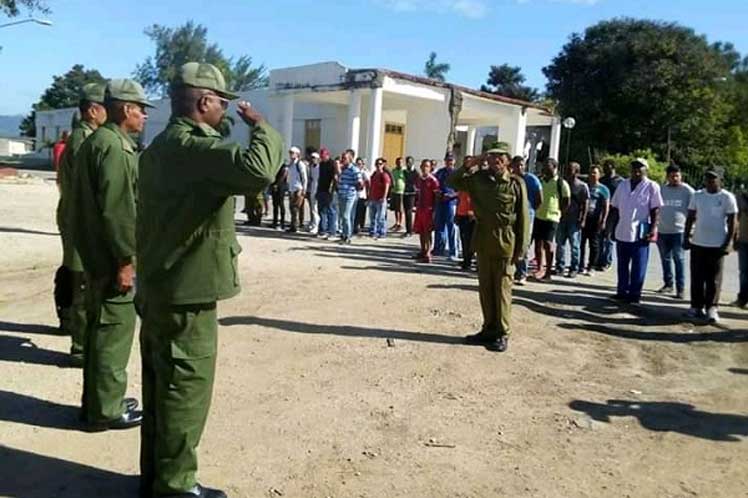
(739, 371)
(339, 330)
(30, 475)
(663, 416)
(22, 350)
(27, 231)
(27, 410)
(29, 328)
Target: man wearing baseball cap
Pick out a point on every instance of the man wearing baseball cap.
(297, 184)
(72, 309)
(104, 233)
(187, 261)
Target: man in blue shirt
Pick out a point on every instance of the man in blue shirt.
(446, 208)
(349, 184)
(535, 198)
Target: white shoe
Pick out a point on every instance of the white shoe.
(712, 315)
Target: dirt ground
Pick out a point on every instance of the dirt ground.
(341, 374)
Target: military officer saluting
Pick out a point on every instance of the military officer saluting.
(187, 261)
(500, 239)
(104, 231)
(92, 115)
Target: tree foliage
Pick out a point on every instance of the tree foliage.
(509, 81)
(628, 81)
(189, 43)
(12, 8)
(436, 70)
(64, 92)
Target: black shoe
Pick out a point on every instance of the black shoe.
(499, 345)
(199, 492)
(619, 298)
(665, 289)
(127, 420)
(481, 338)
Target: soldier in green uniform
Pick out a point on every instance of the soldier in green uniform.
(187, 261)
(92, 115)
(501, 237)
(104, 231)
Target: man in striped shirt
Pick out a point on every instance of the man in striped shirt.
(349, 184)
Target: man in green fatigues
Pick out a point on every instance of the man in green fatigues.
(92, 115)
(501, 237)
(187, 261)
(104, 230)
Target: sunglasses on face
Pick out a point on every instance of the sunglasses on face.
(224, 102)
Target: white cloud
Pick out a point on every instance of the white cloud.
(474, 9)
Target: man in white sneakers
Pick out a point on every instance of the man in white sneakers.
(711, 215)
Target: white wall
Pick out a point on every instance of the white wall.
(51, 124)
(10, 147)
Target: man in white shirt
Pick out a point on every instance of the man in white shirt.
(311, 191)
(711, 215)
(297, 184)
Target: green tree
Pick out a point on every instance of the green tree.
(436, 70)
(627, 82)
(64, 92)
(12, 8)
(509, 81)
(189, 43)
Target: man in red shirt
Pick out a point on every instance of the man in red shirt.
(380, 184)
(427, 186)
(57, 150)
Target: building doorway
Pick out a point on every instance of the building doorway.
(394, 142)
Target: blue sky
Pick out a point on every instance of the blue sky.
(395, 34)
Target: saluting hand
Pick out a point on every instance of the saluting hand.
(248, 113)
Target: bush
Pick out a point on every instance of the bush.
(623, 164)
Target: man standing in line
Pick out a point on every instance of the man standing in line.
(612, 181)
(311, 191)
(535, 199)
(556, 198)
(741, 246)
(598, 209)
(445, 229)
(711, 215)
(104, 212)
(636, 205)
(326, 187)
(73, 314)
(409, 195)
(501, 239)
(187, 259)
(380, 186)
(676, 197)
(398, 191)
(572, 223)
(349, 184)
(297, 184)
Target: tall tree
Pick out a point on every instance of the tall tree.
(508, 81)
(436, 70)
(627, 82)
(64, 92)
(189, 43)
(12, 8)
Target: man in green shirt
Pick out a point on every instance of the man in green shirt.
(187, 261)
(398, 193)
(104, 231)
(556, 198)
(92, 116)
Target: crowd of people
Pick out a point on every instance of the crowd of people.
(576, 224)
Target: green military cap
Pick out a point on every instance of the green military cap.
(498, 148)
(203, 75)
(93, 92)
(127, 91)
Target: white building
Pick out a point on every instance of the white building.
(376, 112)
(14, 146)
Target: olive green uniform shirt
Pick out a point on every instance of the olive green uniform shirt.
(105, 192)
(66, 172)
(501, 210)
(187, 247)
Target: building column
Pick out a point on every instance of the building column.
(354, 120)
(375, 124)
(555, 137)
(513, 130)
(287, 120)
(472, 134)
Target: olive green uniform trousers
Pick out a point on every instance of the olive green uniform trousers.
(77, 314)
(108, 342)
(178, 345)
(495, 287)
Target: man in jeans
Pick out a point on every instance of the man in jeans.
(711, 214)
(297, 183)
(572, 222)
(741, 246)
(380, 186)
(636, 205)
(535, 199)
(612, 181)
(445, 230)
(326, 185)
(349, 184)
(676, 197)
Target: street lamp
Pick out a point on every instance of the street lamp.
(569, 123)
(43, 22)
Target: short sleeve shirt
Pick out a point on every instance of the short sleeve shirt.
(398, 181)
(550, 210)
(634, 207)
(426, 191)
(599, 195)
(532, 183)
(349, 178)
(580, 194)
(712, 211)
(379, 182)
(441, 177)
(675, 202)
